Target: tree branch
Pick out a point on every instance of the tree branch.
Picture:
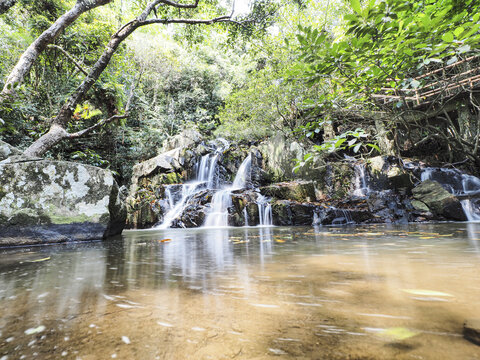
(186, 21)
(30, 55)
(70, 57)
(181, 6)
(96, 126)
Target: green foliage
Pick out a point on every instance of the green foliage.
(390, 42)
(355, 140)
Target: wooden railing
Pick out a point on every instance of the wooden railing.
(439, 84)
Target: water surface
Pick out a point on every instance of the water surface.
(370, 292)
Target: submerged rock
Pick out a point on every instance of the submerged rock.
(471, 330)
(54, 201)
(438, 200)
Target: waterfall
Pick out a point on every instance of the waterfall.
(264, 211)
(243, 174)
(218, 215)
(204, 180)
(245, 215)
(458, 184)
(222, 199)
(361, 185)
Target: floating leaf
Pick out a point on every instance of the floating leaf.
(422, 292)
(126, 340)
(398, 333)
(165, 240)
(279, 240)
(36, 330)
(39, 260)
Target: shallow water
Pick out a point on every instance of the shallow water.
(371, 292)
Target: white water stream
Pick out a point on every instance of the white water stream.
(204, 180)
(222, 199)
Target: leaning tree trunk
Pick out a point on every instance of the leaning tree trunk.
(5, 5)
(57, 130)
(30, 55)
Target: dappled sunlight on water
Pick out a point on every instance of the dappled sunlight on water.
(376, 292)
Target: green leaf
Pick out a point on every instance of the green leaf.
(458, 31)
(448, 37)
(356, 6)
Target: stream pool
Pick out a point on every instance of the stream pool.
(360, 292)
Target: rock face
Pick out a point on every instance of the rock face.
(388, 173)
(279, 153)
(55, 201)
(438, 200)
(293, 190)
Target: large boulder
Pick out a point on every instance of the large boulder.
(279, 154)
(170, 162)
(55, 201)
(438, 200)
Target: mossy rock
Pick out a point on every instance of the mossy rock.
(439, 200)
(50, 195)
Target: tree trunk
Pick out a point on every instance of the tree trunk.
(5, 5)
(30, 55)
(384, 143)
(57, 131)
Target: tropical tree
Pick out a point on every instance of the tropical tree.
(162, 12)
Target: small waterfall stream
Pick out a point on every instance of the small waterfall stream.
(264, 211)
(222, 199)
(204, 180)
(362, 188)
(458, 184)
(179, 196)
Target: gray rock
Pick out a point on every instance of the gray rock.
(471, 330)
(186, 139)
(7, 150)
(167, 162)
(439, 200)
(55, 201)
(279, 153)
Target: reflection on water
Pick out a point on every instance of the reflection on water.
(378, 292)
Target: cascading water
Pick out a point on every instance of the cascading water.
(204, 180)
(245, 215)
(222, 200)
(361, 184)
(264, 211)
(459, 184)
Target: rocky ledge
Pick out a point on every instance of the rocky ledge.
(43, 201)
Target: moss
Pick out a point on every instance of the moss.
(61, 219)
